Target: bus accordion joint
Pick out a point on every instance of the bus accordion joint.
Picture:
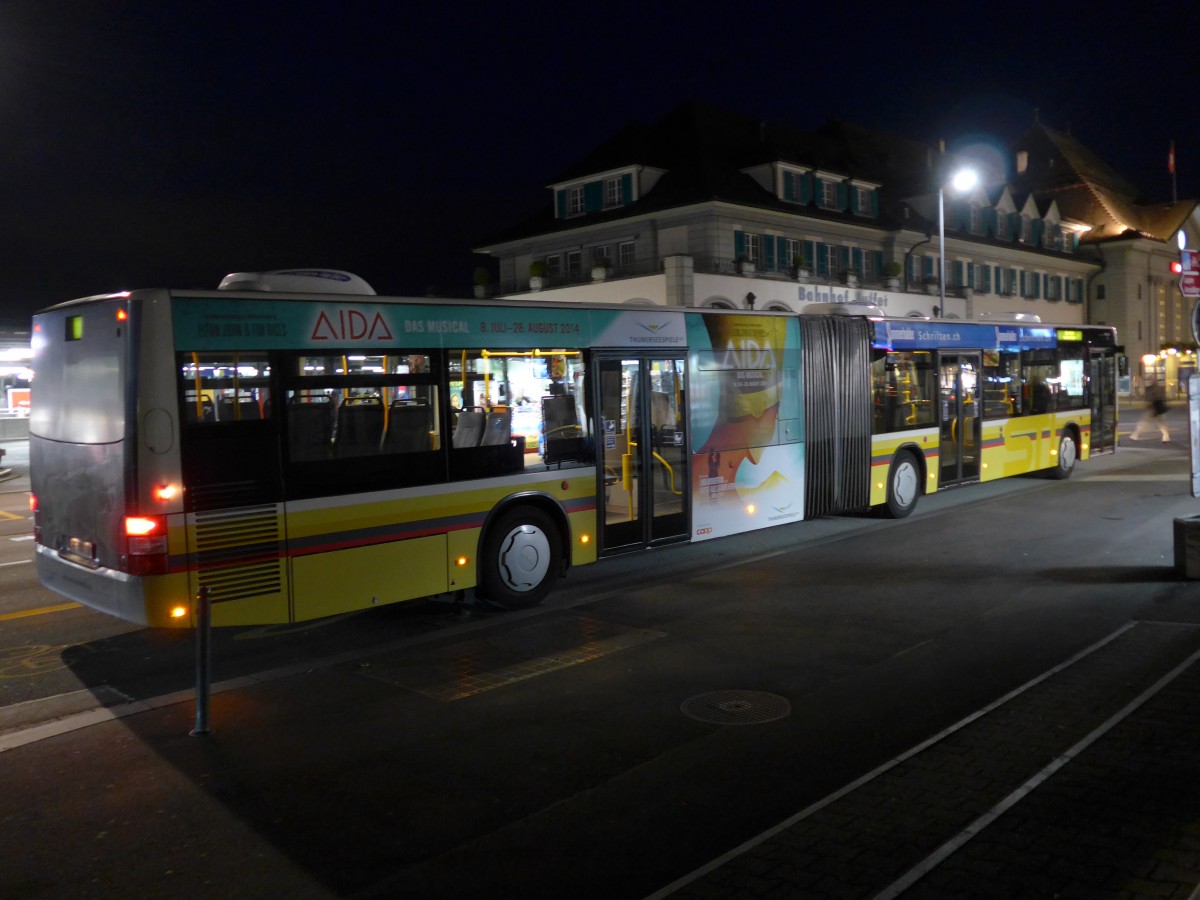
(146, 545)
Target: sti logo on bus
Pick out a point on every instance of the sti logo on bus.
(351, 325)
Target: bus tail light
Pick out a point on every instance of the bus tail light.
(146, 545)
(37, 526)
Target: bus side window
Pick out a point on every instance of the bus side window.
(309, 427)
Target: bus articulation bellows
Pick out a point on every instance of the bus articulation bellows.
(304, 454)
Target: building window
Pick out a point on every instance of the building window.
(864, 200)
(828, 194)
(601, 255)
(753, 247)
(575, 200)
(613, 192)
(976, 219)
(626, 254)
(574, 263)
(553, 266)
(1025, 237)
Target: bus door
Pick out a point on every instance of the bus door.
(644, 476)
(960, 418)
(1102, 377)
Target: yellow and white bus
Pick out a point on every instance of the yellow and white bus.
(299, 454)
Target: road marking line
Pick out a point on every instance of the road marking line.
(19, 562)
(939, 856)
(42, 610)
(11, 516)
(22, 537)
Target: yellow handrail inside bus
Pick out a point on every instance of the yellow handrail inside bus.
(199, 398)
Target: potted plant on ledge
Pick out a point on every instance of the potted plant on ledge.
(800, 270)
(483, 280)
(891, 272)
(848, 276)
(601, 269)
(745, 265)
(537, 274)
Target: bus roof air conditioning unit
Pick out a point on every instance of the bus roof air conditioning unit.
(297, 281)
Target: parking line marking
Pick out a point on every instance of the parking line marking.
(41, 610)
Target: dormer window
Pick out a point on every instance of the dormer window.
(575, 200)
(614, 192)
(976, 219)
(829, 194)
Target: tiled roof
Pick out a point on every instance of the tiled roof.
(1088, 190)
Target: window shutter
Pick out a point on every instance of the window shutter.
(1014, 226)
(1022, 284)
(626, 189)
(1037, 280)
(789, 186)
(739, 243)
(560, 204)
(856, 260)
(1039, 228)
(806, 188)
(875, 203)
(781, 253)
(987, 279)
(841, 195)
(769, 253)
(878, 263)
(843, 257)
(852, 193)
(810, 254)
(593, 196)
(822, 261)
(970, 282)
(958, 273)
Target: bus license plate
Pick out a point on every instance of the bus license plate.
(81, 551)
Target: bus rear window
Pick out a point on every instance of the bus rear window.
(78, 389)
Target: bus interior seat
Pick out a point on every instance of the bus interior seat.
(564, 437)
(247, 409)
(359, 427)
(409, 425)
(469, 428)
(310, 428)
(497, 430)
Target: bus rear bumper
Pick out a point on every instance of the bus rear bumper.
(105, 590)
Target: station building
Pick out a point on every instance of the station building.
(709, 208)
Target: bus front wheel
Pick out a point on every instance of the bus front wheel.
(1065, 464)
(522, 557)
(903, 485)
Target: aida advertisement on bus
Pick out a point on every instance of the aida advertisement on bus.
(214, 323)
(747, 432)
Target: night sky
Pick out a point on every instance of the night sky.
(152, 144)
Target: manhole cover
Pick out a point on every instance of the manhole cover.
(736, 707)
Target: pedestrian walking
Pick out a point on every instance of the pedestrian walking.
(1153, 417)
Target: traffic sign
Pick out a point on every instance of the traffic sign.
(1189, 278)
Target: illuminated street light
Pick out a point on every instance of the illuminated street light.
(962, 181)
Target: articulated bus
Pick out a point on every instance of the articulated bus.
(303, 454)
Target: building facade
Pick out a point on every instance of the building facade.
(708, 208)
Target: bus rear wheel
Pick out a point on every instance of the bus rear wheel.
(1067, 454)
(522, 558)
(903, 485)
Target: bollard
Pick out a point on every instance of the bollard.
(203, 660)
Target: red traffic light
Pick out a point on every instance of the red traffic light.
(1176, 267)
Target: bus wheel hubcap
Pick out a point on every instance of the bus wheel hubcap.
(904, 486)
(524, 558)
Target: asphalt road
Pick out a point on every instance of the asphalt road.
(436, 750)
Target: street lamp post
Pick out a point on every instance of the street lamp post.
(963, 180)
